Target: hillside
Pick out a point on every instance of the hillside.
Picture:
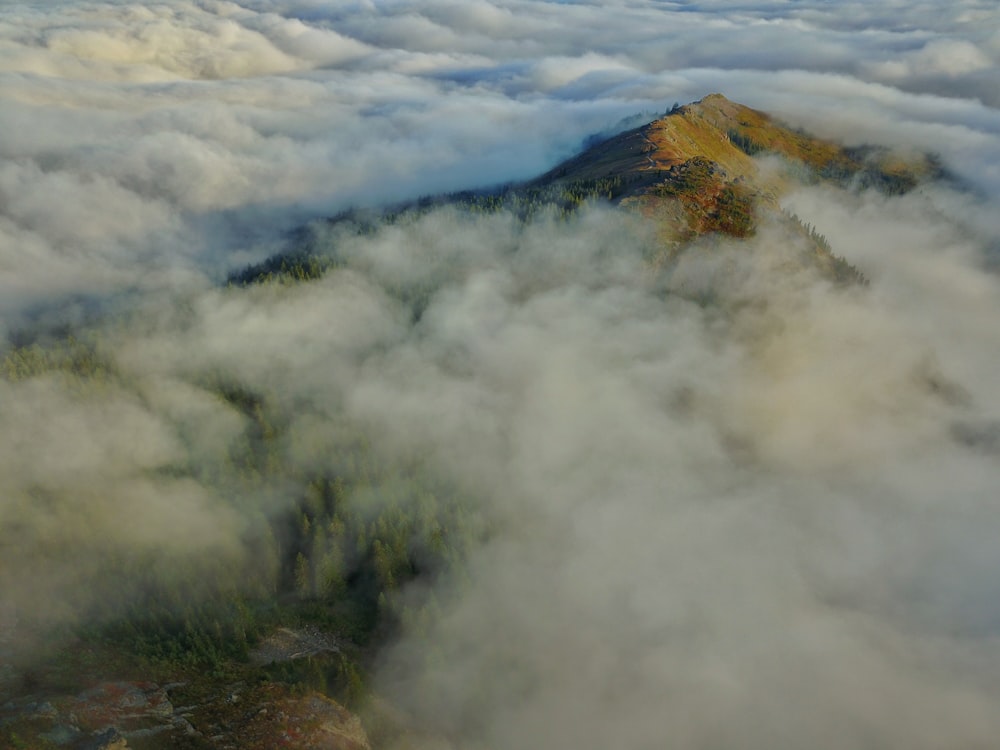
(713, 168)
(693, 170)
(725, 135)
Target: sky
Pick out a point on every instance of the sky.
(767, 524)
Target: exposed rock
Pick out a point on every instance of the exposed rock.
(271, 717)
(286, 644)
(125, 705)
(240, 716)
(100, 718)
(314, 722)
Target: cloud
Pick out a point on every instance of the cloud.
(710, 528)
(940, 56)
(162, 43)
(251, 118)
(741, 510)
(86, 485)
(716, 525)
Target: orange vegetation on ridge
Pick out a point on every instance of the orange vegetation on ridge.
(693, 172)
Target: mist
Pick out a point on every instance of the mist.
(754, 527)
(762, 521)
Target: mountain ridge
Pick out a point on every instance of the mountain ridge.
(694, 169)
(711, 168)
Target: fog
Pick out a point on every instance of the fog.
(763, 522)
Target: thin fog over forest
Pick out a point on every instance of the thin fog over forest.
(580, 501)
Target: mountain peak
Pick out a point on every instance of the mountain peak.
(712, 97)
(700, 129)
(694, 171)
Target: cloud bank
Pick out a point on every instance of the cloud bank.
(767, 522)
(142, 143)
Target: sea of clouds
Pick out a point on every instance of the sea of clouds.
(766, 523)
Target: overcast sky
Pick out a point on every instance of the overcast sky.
(771, 529)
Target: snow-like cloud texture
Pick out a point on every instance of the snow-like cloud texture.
(769, 523)
(147, 142)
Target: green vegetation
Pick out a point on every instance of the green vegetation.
(734, 212)
(714, 203)
(346, 538)
(695, 176)
(564, 197)
(73, 356)
(561, 200)
(745, 143)
(290, 269)
(861, 168)
(840, 271)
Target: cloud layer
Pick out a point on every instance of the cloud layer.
(765, 523)
(141, 142)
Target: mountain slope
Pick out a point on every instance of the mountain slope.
(692, 170)
(646, 151)
(727, 135)
(710, 168)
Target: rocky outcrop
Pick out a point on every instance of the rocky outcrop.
(128, 706)
(287, 644)
(310, 722)
(118, 715)
(103, 717)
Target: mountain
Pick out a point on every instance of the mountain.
(716, 166)
(272, 646)
(713, 168)
(698, 151)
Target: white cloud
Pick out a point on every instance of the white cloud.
(947, 59)
(723, 531)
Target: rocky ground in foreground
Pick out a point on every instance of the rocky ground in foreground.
(249, 711)
(148, 715)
